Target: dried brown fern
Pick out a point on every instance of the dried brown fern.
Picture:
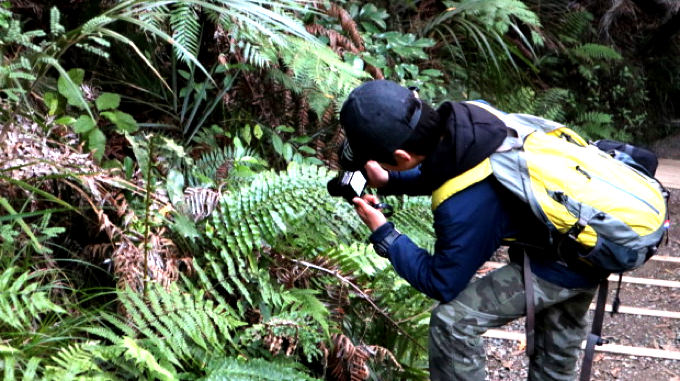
(277, 342)
(347, 24)
(350, 362)
(89, 185)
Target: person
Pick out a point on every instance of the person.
(407, 147)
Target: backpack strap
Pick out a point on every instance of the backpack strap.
(594, 337)
(531, 308)
(452, 186)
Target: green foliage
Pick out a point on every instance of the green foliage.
(239, 369)
(89, 126)
(22, 301)
(481, 56)
(280, 266)
(194, 331)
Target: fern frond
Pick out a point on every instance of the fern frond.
(574, 25)
(220, 164)
(186, 29)
(21, 300)
(56, 29)
(358, 259)
(254, 370)
(413, 215)
(595, 52)
(269, 208)
(305, 301)
(79, 361)
(95, 24)
(176, 328)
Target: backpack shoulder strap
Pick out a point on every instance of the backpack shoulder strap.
(472, 176)
(594, 337)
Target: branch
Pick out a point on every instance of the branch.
(359, 291)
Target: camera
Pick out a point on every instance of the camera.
(350, 184)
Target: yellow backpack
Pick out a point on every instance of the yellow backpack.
(616, 213)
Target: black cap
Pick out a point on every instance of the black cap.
(378, 117)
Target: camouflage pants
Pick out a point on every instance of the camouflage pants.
(456, 348)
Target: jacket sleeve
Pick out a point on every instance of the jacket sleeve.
(469, 228)
(409, 182)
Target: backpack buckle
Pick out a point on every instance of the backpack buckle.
(576, 229)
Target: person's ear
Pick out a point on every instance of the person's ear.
(402, 157)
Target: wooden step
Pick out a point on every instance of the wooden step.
(615, 278)
(610, 348)
(668, 173)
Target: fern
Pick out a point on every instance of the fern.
(78, 361)
(234, 369)
(56, 29)
(270, 206)
(595, 52)
(318, 67)
(192, 329)
(414, 217)
(22, 301)
(221, 165)
(574, 25)
(358, 259)
(595, 125)
(186, 29)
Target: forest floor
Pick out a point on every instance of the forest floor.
(506, 359)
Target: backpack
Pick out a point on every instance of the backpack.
(600, 199)
(613, 214)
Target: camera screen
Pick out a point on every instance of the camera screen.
(358, 182)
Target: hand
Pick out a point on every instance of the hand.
(377, 176)
(371, 216)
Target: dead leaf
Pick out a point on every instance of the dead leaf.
(598, 357)
(615, 372)
(522, 345)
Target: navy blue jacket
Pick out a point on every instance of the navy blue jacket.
(469, 227)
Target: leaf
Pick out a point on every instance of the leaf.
(278, 144)
(70, 89)
(185, 227)
(175, 186)
(144, 358)
(257, 132)
(287, 152)
(66, 120)
(96, 141)
(141, 150)
(51, 100)
(124, 122)
(246, 135)
(83, 124)
(107, 101)
(129, 166)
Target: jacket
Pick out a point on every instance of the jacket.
(472, 224)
